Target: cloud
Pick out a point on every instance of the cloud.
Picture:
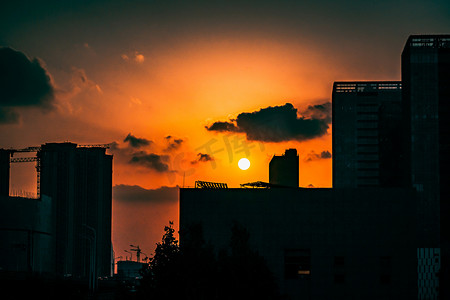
(138, 57)
(316, 156)
(135, 193)
(202, 157)
(222, 126)
(136, 142)
(23, 82)
(280, 123)
(151, 161)
(319, 112)
(79, 89)
(8, 116)
(173, 143)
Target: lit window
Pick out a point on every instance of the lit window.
(297, 263)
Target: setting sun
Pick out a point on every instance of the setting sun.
(244, 164)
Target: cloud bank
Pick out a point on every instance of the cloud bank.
(23, 83)
(135, 193)
(279, 123)
(151, 161)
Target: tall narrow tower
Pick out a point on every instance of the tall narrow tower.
(426, 103)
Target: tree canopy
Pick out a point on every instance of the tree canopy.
(194, 270)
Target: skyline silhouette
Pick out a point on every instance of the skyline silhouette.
(135, 74)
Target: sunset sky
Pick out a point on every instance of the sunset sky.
(184, 89)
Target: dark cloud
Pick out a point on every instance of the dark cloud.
(150, 161)
(280, 123)
(135, 193)
(136, 142)
(23, 82)
(222, 126)
(316, 156)
(173, 143)
(319, 112)
(202, 157)
(8, 116)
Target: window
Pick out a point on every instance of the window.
(297, 264)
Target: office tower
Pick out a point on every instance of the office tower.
(79, 181)
(283, 170)
(426, 102)
(366, 134)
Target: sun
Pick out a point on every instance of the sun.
(244, 164)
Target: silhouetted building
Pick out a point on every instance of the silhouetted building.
(26, 236)
(129, 270)
(426, 102)
(367, 135)
(283, 170)
(79, 180)
(319, 243)
(4, 172)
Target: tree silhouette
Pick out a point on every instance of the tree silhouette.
(162, 272)
(192, 270)
(244, 273)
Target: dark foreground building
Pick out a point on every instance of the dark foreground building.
(319, 243)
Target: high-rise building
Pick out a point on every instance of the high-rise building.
(426, 103)
(79, 181)
(366, 134)
(283, 170)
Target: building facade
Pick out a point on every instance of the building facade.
(26, 236)
(319, 243)
(426, 103)
(79, 180)
(367, 149)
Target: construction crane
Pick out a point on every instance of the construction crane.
(29, 159)
(106, 146)
(37, 158)
(27, 149)
(138, 252)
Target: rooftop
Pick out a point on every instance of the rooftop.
(366, 86)
(429, 41)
